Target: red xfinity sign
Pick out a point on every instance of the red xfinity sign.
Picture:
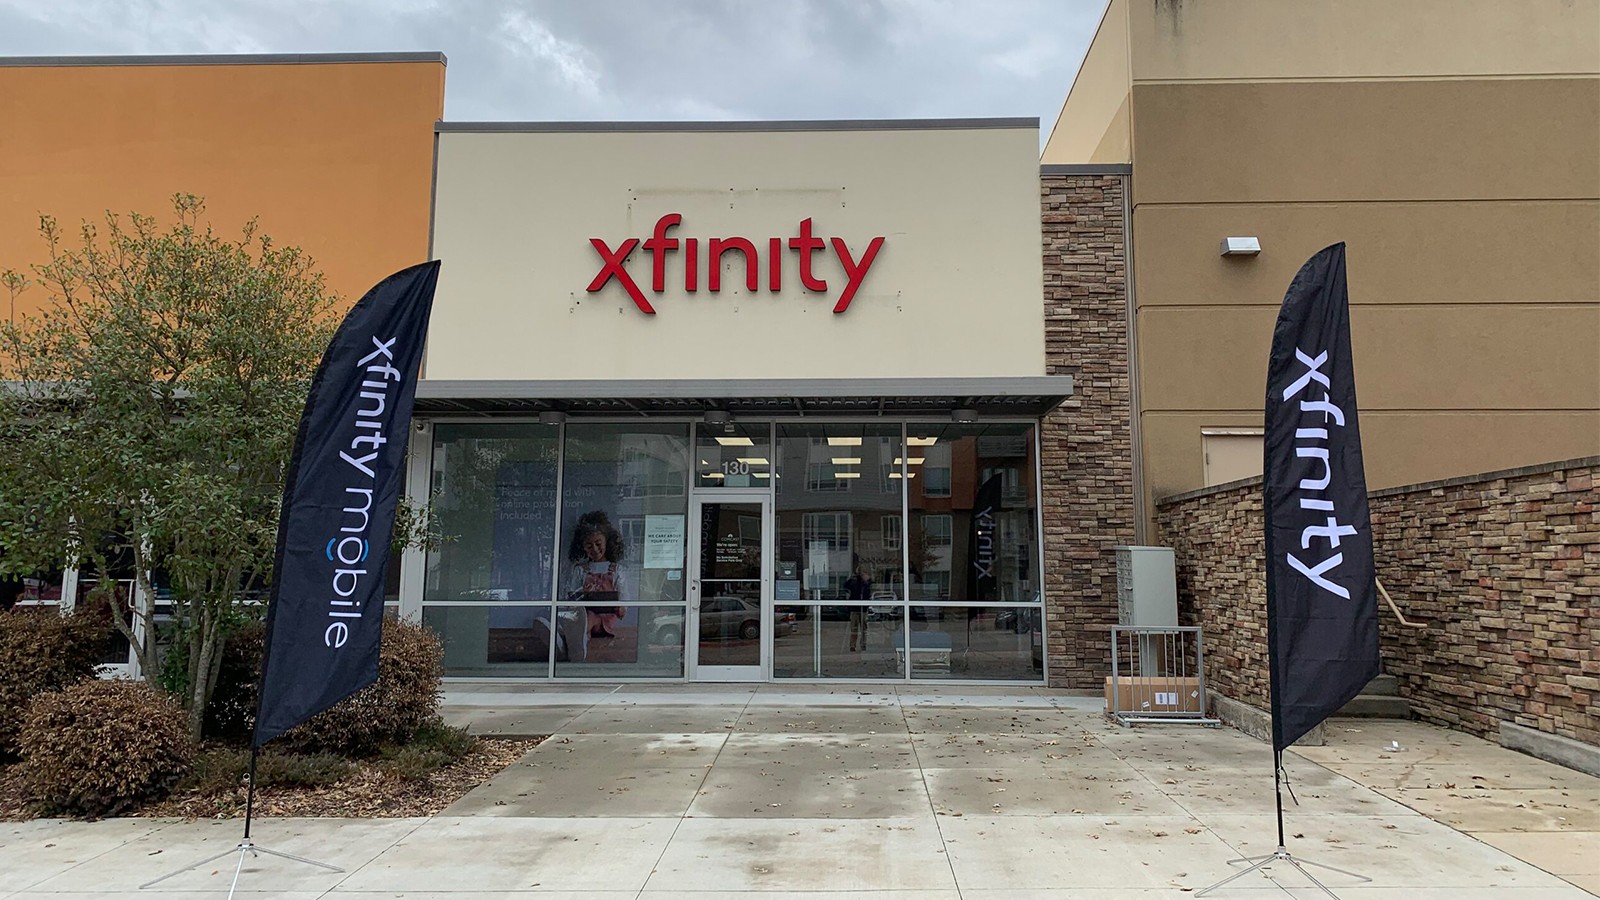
(804, 247)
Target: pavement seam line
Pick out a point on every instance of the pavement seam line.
(392, 844)
(922, 773)
(645, 885)
(31, 886)
(1179, 803)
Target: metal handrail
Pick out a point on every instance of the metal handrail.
(1395, 608)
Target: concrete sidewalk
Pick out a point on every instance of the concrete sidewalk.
(692, 792)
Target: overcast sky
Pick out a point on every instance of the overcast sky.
(633, 59)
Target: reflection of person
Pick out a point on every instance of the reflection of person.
(858, 587)
(596, 554)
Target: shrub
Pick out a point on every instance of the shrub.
(390, 711)
(41, 651)
(434, 746)
(222, 769)
(301, 769)
(98, 748)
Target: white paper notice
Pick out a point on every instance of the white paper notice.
(817, 566)
(663, 542)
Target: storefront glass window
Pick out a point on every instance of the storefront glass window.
(624, 505)
(496, 641)
(494, 502)
(973, 531)
(831, 511)
(624, 498)
(598, 512)
(989, 643)
(735, 455)
(619, 641)
(494, 499)
(841, 641)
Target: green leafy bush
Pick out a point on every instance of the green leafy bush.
(41, 651)
(390, 711)
(98, 748)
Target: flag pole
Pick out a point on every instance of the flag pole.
(1277, 790)
(255, 754)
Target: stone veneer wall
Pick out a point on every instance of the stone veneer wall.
(1503, 568)
(1087, 452)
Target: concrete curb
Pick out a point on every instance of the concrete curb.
(1554, 748)
(1257, 723)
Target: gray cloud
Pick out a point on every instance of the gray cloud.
(632, 59)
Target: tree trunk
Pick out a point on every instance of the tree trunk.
(203, 642)
(145, 650)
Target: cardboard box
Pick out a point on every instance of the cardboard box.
(1155, 694)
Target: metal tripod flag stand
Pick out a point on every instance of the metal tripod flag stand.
(1322, 602)
(245, 847)
(1281, 854)
(325, 614)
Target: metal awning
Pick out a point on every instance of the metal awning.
(1014, 396)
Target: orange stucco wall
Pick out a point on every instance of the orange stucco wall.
(335, 158)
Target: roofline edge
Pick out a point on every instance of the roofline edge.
(224, 59)
(955, 124)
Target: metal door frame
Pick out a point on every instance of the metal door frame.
(694, 670)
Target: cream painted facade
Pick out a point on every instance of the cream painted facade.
(954, 288)
(1453, 144)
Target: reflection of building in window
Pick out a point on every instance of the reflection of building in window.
(936, 470)
(938, 540)
(891, 532)
(820, 477)
(31, 591)
(632, 530)
(645, 472)
(1012, 492)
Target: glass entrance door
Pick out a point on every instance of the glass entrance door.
(730, 608)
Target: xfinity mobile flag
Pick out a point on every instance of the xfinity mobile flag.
(325, 616)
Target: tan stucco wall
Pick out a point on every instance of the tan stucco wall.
(1173, 40)
(955, 290)
(334, 158)
(1093, 124)
(1453, 144)
(1458, 139)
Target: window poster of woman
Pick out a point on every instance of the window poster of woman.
(598, 630)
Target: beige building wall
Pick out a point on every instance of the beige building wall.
(954, 290)
(1093, 125)
(1454, 145)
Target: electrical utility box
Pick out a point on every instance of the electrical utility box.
(1147, 586)
(1147, 595)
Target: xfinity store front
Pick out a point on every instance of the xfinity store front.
(737, 402)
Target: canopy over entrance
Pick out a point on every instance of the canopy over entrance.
(1009, 396)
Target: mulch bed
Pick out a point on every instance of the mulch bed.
(369, 793)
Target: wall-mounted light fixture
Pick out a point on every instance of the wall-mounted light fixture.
(965, 415)
(718, 417)
(1241, 246)
(552, 417)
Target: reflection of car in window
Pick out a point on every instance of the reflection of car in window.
(721, 617)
